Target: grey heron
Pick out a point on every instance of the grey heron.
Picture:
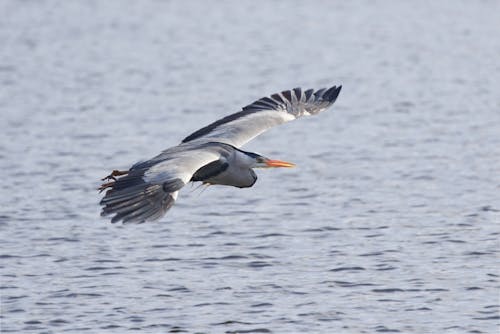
(211, 155)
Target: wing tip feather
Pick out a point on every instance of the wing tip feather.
(140, 203)
(332, 93)
(295, 102)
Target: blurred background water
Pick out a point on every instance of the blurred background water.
(390, 222)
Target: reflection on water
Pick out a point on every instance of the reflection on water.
(388, 224)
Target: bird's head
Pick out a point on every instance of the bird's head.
(260, 161)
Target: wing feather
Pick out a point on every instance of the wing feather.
(265, 113)
(150, 188)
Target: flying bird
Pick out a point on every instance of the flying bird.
(211, 155)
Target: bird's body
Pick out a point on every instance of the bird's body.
(231, 169)
(211, 155)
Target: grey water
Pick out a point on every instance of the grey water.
(389, 222)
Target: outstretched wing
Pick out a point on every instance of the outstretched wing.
(150, 188)
(241, 127)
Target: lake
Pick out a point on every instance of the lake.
(389, 222)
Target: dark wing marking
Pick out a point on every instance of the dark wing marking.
(134, 200)
(210, 170)
(237, 129)
(150, 188)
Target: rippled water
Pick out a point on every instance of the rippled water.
(390, 222)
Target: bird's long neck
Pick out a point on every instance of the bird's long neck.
(243, 159)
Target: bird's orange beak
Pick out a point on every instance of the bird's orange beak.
(278, 163)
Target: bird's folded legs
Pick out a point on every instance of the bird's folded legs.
(115, 173)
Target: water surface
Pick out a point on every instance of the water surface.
(390, 222)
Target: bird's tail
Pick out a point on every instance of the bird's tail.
(133, 200)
